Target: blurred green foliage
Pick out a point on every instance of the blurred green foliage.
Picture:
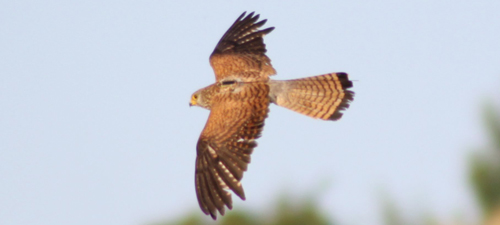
(485, 166)
(286, 211)
(393, 215)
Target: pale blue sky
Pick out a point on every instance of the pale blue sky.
(95, 126)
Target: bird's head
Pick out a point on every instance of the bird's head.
(201, 98)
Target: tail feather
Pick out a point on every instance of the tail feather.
(324, 96)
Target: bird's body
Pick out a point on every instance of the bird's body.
(318, 97)
(239, 103)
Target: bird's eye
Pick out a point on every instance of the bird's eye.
(195, 97)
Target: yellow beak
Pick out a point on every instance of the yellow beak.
(192, 102)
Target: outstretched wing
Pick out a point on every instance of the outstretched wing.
(223, 150)
(240, 53)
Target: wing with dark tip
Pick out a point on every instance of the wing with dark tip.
(226, 143)
(240, 53)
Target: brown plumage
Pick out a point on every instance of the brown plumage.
(239, 103)
(320, 97)
(240, 53)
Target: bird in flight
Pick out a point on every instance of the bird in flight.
(239, 102)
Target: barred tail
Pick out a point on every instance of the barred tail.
(323, 96)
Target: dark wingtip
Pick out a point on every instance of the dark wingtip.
(241, 16)
(239, 192)
(267, 30)
(214, 216)
(247, 17)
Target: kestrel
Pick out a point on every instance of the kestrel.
(239, 102)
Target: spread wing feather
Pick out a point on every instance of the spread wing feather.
(226, 143)
(240, 53)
